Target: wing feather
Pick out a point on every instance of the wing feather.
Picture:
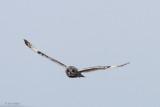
(28, 44)
(95, 68)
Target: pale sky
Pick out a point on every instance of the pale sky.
(82, 33)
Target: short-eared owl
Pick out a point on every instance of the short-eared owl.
(72, 71)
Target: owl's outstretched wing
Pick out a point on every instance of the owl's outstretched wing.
(28, 44)
(95, 68)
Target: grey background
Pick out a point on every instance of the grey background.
(81, 33)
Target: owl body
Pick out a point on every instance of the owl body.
(72, 72)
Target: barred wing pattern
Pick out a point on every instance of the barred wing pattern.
(28, 44)
(95, 68)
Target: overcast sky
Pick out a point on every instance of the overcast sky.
(81, 33)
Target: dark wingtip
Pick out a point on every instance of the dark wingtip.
(124, 64)
(127, 63)
(27, 43)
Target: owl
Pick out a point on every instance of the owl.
(71, 71)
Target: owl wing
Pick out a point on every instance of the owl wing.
(95, 68)
(28, 44)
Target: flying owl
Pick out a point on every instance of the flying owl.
(71, 71)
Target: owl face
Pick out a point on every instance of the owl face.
(72, 72)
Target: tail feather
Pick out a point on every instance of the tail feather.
(80, 75)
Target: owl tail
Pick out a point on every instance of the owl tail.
(80, 75)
